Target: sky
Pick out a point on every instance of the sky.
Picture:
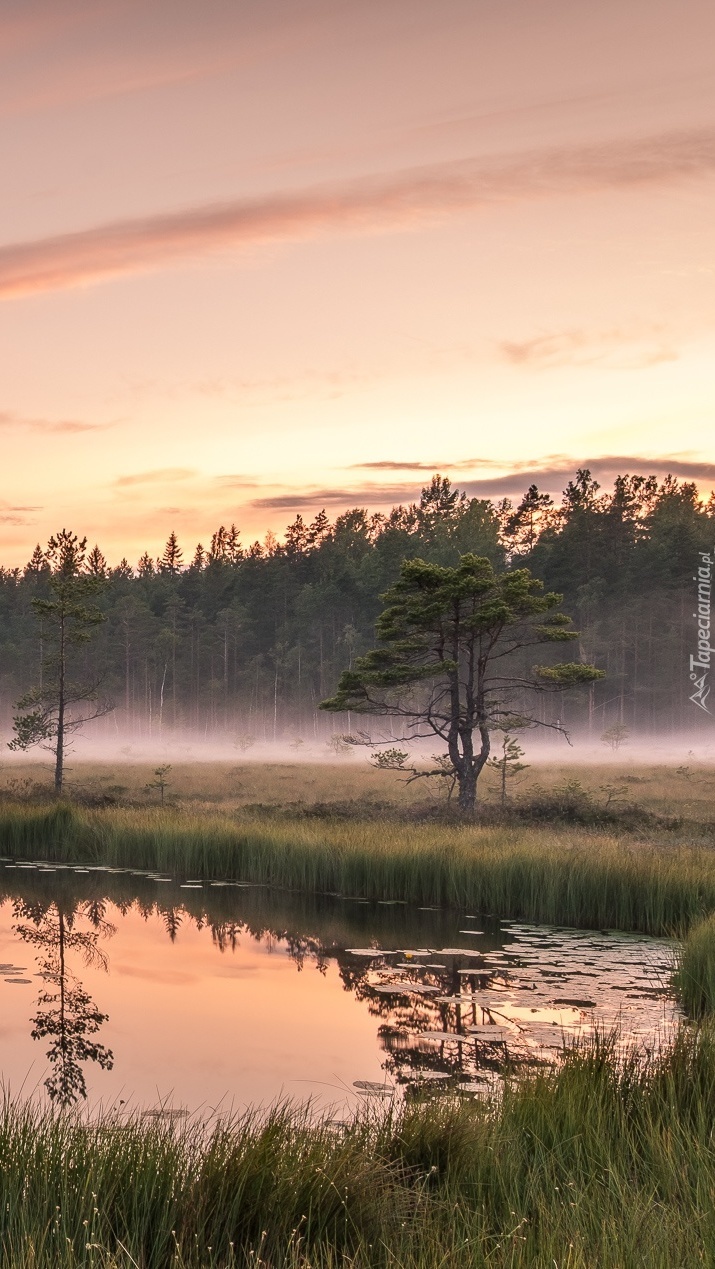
(258, 257)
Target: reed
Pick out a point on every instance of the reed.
(694, 977)
(567, 876)
(607, 1161)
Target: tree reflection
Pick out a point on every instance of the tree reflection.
(416, 1005)
(66, 1012)
(433, 1012)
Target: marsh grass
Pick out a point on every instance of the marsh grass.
(607, 1161)
(565, 877)
(694, 979)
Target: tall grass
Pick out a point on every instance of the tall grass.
(608, 1161)
(694, 978)
(566, 876)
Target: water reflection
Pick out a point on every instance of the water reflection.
(65, 1011)
(435, 1021)
(447, 1000)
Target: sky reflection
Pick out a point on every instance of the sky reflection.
(150, 994)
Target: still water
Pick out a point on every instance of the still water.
(138, 991)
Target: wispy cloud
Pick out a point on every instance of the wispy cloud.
(16, 515)
(411, 198)
(159, 476)
(9, 419)
(362, 495)
(551, 473)
(623, 350)
(231, 481)
(468, 464)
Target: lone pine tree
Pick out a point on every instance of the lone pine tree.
(452, 659)
(66, 698)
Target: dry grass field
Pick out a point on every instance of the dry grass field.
(686, 791)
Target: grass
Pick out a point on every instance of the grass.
(695, 975)
(608, 1161)
(666, 789)
(566, 876)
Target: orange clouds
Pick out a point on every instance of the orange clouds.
(414, 197)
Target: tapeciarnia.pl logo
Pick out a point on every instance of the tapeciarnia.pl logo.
(700, 664)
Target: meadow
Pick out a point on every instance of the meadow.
(607, 1160)
(350, 785)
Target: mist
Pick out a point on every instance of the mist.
(106, 741)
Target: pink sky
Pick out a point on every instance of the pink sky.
(260, 258)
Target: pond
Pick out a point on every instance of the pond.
(138, 991)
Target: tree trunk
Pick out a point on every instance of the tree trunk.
(467, 789)
(161, 698)
(60, 746)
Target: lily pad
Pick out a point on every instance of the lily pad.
(489, 1031)
(576, 1004)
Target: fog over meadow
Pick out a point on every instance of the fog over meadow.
(102, 743)
(228, 656)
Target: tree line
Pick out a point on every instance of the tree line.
(243, 642)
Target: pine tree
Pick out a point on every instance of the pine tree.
(507, 762)
(171, 560)
(439, 504)
(319, 529)
(234, 550)
(218, 552)
(66, 697)
(37, 562)
(96, 563)
(297, 537)
(145, 567)
(448, 662)
(524, 525)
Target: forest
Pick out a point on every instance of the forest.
(242, 642)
